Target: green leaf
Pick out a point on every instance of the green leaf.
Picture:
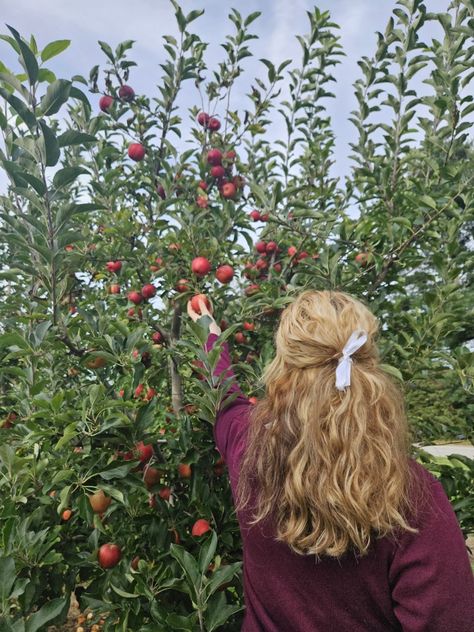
(27, 56)
(54, 48)
(107, 50)
(65, 176)
(40, 331)
(207, 552)
(123, 593)
(13, 339)
(20, 108)
(218, 611)
(73, 137)
(188, 564)
(56, 95)
(51, 146)
(46, 614)
(116, 472)
(392, 371)
(7, 577)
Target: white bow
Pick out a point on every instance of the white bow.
(343, 370)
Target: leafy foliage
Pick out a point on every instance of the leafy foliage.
(84, 376)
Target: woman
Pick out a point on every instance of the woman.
(342, 531)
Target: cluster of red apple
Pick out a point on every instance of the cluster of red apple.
(136, 297)
(136, 151)
(110, 554)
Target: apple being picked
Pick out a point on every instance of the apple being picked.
(195, 302)
(109, 555)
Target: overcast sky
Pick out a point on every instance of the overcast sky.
(145, 21)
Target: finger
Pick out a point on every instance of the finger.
(192, 314)
(203, 307)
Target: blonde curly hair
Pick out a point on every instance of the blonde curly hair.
(331, 468)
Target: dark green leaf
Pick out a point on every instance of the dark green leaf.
(73, 137)
(20, 107)
(51, 145)
(46, 614)
(65, 176)
(56, 95)
(27, 56)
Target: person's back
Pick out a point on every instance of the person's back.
(341, 529)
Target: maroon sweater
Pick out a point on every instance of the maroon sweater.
(422, 583)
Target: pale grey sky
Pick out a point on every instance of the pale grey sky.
(146, 21)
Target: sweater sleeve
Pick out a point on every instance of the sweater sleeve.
(231, 420)
(430, 575)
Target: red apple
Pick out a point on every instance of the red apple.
(200, 266)
(182, 285)
(148, 291)
(228, 190)
(200, 527)
(202, 201)
(202, 185)
(277, 267)
(113, 266)
(253, 400)
(145, 451)
(214, 124)
(134, 564)
(136, 151)
(150, 394)
(230, 155)
(174, 247)
(225, 273)
(214, 157)
(302, 255)
(362, 258)
(184, 470)
(249, 326)
(157, 337)
(135, 297)
(195, 302)
(151, 477)
(114, 288)
(218, 171)
(255, 215)
(261, 264)
(265, 217)
(109, 555)
(250, 290)
(271, 246)
(138, 391)
(126, 93)
(240, 338)
(165, 493)
(292, 251)
(261, 247)
(99, 502)
(203, 119)
(105, 102)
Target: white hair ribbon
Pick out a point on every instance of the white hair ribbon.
(343, 370)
